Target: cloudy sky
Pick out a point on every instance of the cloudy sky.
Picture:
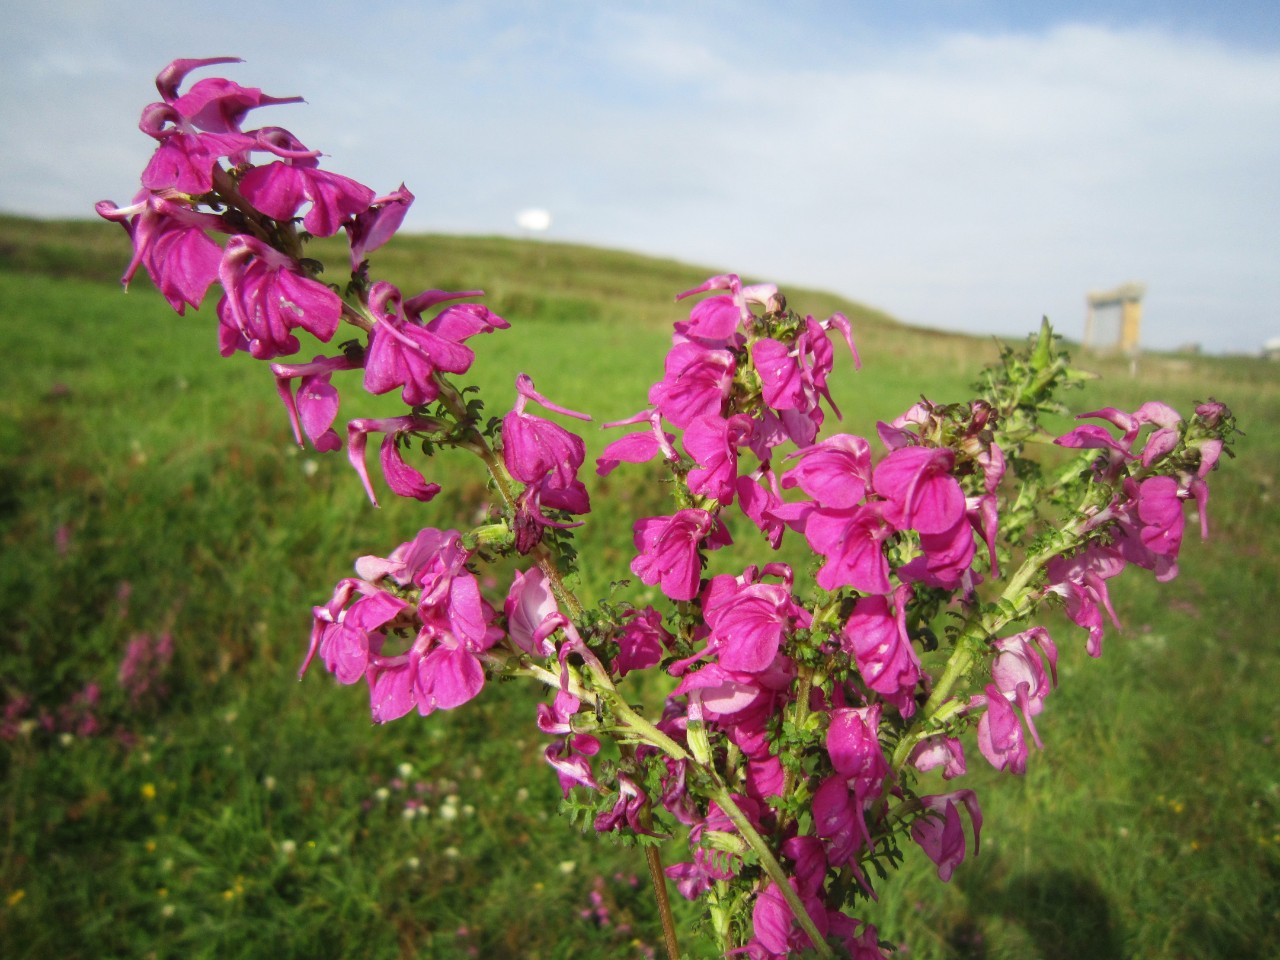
(961, 164)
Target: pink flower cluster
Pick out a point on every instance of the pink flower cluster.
(202, 183)
(1146, 522)
(798, 712)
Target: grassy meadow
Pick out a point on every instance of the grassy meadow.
(150, 489)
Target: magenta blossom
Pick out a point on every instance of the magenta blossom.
(1000, 735)
(186, 159)
(748, 624)
(403, 353)
(528, 605)
(840, 803)
(774, 923)
(430, 560)
(570, 756)
(760, 503)
(713, 442)
(851, 541)
(267, 296)
(628, 809)
(941, 835)
(638, 447)
(835, 472)
(281, 188)
(697, 381)
(643, 641)
(877, 637)
(718, 318)
(1019, 661)
(939, 751)
(315, 406)
(545, 457)
(170, 240)
(457, 632)
(536, 450)
(341, 634)
(373, 227)
(214, 104)
(1092, 436)
(1160, 510)
(668, 550)
(1082, 581)
(403, 479)
(918, 484)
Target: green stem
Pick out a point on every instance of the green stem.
(972, 644)
(720, 794)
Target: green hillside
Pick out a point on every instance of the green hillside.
(150, 488)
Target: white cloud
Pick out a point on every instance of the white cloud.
(967, 180)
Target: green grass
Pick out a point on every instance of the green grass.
(244, 814)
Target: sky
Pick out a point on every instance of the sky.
(960, 164)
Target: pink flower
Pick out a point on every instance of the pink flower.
(1081, 579)
(643, 641)
(545, 457)
(877, 638)
(696, 384)
(759, 502)
(430, 560)
(713, 442)
(442, 668)
(538, 451)
(450, 675)
(213, 104)
(408, 354)
(839, 820)
(939, 751)
(631, 448)
(946, 558)
(774, 924)
(630, 804)
(999, 730)
(169, 239)
(315, 406)
(781, 376)
(850, 540)
(835, 472)
(694, 879)
(279, 190)
(918, 484)
(344, 635)
(1160, 510)
(854, 748)
(898, 433)
(717, 319)
(528, 605)
(401, 478)
(373, 227)
(749, 623)
(668, 550)
(186, 158)
(1018, 661)
(1091, 436)
(267, 296)
(941, 834)
(570, 756)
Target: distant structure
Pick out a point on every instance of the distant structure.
(1113, 323)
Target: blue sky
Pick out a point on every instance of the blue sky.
(964, 165)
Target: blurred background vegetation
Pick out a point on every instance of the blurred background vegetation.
(170, 790)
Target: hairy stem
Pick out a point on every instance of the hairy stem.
(772, 868)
